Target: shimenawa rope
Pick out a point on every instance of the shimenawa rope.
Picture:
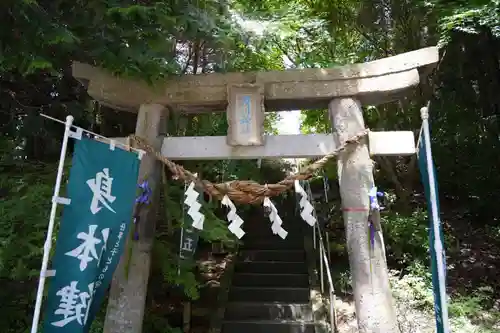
(245, 191)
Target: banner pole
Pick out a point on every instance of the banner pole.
(48, 241)
(438, 243)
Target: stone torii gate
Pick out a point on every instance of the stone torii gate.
(245, 97)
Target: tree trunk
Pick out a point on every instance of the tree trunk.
(127, 297)
(373, 299)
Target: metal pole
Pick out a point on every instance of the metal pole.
(325, 261)
(314, 238)
(438, 245)
(325, 189)
(328, 248)
(321, 266)
(182, 233)
(309, 194)
(333, 315)
(48, 241)
(323, 257)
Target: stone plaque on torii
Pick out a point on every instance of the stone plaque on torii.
(246, 97)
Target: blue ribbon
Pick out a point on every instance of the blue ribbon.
(374, 205)
(372, 233)
(145, 196)
(143, 199)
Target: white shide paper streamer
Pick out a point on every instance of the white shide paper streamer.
(275, 219)
(305, 206)
(194, 207)
(235, 220)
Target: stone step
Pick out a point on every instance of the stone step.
(270, 280)
(268, 233)
(273, 244)
(268, 327)
(270, 267)
(268, 311)
(260, 238)
(269, 294)
(266, 227)
(273, 255)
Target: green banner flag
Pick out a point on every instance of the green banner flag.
(436, 239)
(94, 226)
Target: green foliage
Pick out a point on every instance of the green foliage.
(315, 121)
(471, 305)
(406, 237)
(470, 17)
(24, 213)
(176, 272)
(468, 313)
(24, 210)
(98, 323)
(176, 212)
(415, 287)
(126, 37)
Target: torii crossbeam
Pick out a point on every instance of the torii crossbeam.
(373, 83)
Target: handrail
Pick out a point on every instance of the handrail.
(324, 262)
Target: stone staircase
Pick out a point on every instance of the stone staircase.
(270, 286)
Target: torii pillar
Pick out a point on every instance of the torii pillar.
(372, 292)
(129, 286)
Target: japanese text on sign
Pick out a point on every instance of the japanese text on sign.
(113, 252)
(101, 187)
(74, 304)
(86, 252)
(246, 115)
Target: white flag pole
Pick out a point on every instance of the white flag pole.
(48, 241)
(438, 243)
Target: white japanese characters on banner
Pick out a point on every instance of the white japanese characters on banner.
(74, 304)
(101, 188)
(87, 251)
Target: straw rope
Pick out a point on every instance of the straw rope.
(244, 191)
